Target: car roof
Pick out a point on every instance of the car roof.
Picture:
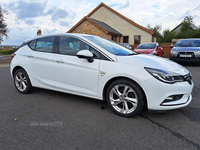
(188, 39)
(58, 34)
(150, 43)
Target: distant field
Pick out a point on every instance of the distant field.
(6, 51)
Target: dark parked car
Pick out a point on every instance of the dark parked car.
(150, 48)
(126, 45)
(186, 50)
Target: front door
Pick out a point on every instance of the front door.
(73, 74)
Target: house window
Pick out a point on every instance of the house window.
(125, 39)
(137, 39)
(114, 38)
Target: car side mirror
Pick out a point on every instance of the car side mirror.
(159, 48)
(171, 46)
(85, 54)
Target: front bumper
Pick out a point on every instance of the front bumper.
(185, 57)
(157, 92)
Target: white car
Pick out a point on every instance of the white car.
(94, 67)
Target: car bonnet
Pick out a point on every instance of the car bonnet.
(150, 61)
(186, 49)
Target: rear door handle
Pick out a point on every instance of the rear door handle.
(60, 61)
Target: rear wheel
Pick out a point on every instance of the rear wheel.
(22, 81)
(125, 98)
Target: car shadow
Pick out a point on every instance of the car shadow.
(65, 97)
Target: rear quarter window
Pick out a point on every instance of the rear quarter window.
(32, 44)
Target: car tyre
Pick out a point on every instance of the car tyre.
(125, 98)
(22, 81)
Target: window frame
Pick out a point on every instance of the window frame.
(127, 39)
(135, 39)
(53, 47)
(102, 56)
(30, 43)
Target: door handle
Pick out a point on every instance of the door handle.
(60, 61)
(30, 56)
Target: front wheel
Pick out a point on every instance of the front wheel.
(125, 98)
(22, 81)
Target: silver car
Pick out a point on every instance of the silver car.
(186, 50)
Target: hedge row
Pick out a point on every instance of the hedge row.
(6, 52)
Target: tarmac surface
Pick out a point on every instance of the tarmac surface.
(49, 120)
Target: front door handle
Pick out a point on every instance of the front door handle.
(30, 56)
(60, 61)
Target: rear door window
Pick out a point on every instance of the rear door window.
(45, 44)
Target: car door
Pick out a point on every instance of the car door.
(73, 74)
(39, 62)
(159, 50)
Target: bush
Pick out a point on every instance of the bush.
(6, 52)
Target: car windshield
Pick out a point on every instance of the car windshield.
(147, 46)
(188, 43)
(110, 46)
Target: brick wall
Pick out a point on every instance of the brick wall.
(87, 27)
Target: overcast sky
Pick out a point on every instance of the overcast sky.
(58, 16)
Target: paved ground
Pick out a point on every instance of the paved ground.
(51, 120)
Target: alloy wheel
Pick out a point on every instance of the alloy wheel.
(21, 81)
(123, 99)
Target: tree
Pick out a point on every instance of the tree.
(187, 23)
(156, 30)
(3, 26)
(168, 35)
(187, 30)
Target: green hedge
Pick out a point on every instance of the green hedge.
(6, 52)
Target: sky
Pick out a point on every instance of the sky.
(59, 16)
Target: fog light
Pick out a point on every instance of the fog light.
(172, 98)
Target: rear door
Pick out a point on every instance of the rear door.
(40, 61)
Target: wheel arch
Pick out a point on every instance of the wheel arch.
(121, 77)
(16, 68)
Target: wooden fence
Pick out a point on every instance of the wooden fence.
(166, 49)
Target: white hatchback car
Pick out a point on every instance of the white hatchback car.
(94, 67)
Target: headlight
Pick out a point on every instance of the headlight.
(173, 52)
(198, 52)
(165, 76)
(152, 53)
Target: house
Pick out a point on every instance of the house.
(177, 29)
(108, 23)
